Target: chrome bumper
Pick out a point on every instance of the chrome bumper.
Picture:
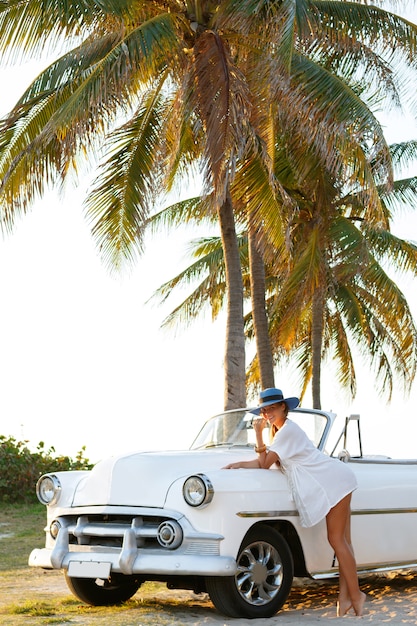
(129, 559)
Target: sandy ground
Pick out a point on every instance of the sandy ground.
(390, 600)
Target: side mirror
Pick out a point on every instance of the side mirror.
(344, 456)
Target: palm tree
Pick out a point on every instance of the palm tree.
(259, 311)
(338, 288)
(175, 85)
(331, 294)
(354, 301)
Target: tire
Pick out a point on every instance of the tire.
(263, 580)
(97, 592)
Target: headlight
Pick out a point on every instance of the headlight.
(48, 489)
(198, 490)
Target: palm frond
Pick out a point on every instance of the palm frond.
(66, 108)
(26, 29)
(364, 69)
(345, 121)
(341, 353)
(403, 154)
(209, 261)
(403, 193)
(387, 248)
(183, 130)
(391, 33)
(112, 83)
(120, 202)
(193, 209)
(261, 198)
(29, 162)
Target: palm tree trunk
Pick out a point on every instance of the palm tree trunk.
(316, 346)
(234, 357)
(259, 316)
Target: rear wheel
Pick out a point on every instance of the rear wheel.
(97, 592)
(263, 579)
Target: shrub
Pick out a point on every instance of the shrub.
(20, 468)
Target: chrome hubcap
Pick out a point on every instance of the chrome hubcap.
(259, 575)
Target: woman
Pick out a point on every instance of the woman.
(320, 485)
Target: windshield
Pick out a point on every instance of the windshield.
(235, 428)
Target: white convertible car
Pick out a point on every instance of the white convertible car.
(178, 517)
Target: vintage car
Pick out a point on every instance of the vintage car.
(180, 518)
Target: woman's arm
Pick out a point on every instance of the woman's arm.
(266, 457)
(264, 461)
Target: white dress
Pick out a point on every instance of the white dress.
(317, 482)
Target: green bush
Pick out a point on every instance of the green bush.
(20, 468)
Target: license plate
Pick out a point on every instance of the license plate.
(88, 569)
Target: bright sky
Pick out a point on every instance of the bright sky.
(83, 360)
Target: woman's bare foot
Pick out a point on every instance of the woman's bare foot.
(358, 605)
(343, 607)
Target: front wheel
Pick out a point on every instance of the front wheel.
(117, 589)
(263, 580)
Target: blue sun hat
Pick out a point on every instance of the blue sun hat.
(271, 396)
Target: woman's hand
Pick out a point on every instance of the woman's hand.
(236, 465)
(253, 464)
(259, 424)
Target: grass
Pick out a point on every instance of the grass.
(39, 598)
(148, 608)
(23, 526)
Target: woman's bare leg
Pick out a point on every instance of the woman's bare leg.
(338, 532)
(344, 603)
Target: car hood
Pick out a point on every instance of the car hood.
(144, 478)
